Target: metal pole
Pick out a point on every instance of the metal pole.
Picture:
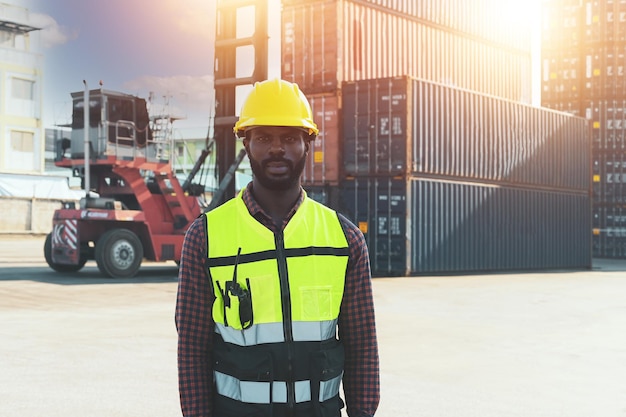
(86, 137)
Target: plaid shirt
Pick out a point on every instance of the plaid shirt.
(195, 324)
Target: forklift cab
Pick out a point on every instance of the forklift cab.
(119, 125)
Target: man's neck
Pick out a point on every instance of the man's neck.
(276, 203)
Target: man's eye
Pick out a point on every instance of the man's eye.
(289, 139)
(262, 139)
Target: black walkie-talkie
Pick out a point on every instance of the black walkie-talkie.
(243, 295)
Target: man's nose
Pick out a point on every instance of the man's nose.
(277, 145)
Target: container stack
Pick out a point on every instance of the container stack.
(584, 59)
(442, 179)
(327, 42)
(456, 42)
(426, 144)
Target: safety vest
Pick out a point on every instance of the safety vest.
(277, 301)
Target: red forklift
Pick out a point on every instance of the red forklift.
(134, 206)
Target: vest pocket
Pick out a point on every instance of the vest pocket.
(326, 373)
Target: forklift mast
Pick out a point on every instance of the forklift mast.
(226, 78)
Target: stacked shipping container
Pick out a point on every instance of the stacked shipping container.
(401, 125)
(417, 225)
(442, 176)
(327, 42)
(442, 179)
(591, 82)
(455, 42)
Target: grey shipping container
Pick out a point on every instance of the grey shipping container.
(609, 179)
(325, 43)
(608, 122)
(609, 231)
(416, 226)
(406, 126)
(610, 244)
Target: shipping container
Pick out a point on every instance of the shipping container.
(597, 60)
(417, 226)
(571, 23)
(575, 108)
(406, 126)
(562, 24)
(562, 77)
(495, 21)
(323, 161)
(608, 122)
(325, 43)
(609, 179)
(318, 193)
(604, 21)
(329, 195)
(609, 231)
(610, 244)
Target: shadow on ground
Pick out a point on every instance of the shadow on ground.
(90, 274)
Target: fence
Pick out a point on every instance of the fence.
(27, 215)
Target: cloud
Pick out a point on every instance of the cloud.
(196, 19)
(195, 89)
(196, 24)
(183, 95)
(52, 33)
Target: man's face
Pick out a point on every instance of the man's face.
(277, 155)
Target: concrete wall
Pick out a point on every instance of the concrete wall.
(27, 215)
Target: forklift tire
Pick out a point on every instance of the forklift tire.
(119, 253)
(47, 253)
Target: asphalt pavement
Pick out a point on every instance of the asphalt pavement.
(517, 344)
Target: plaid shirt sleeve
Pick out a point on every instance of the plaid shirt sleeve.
(195, 325)
(357, 330)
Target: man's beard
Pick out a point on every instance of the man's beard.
(258, 169)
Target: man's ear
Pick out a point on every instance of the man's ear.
(307, 142)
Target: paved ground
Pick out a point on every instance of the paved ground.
(541, 344)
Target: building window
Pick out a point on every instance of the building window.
(22, 89)
(7, 39)
(22, 141)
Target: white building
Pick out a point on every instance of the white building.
(22, 139)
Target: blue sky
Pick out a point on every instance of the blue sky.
(133, 46)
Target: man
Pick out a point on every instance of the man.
(266, 280)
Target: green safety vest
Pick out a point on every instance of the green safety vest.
(276, 350)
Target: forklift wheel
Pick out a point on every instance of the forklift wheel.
(119, 253)
(47, 253)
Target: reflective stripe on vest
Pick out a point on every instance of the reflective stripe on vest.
(303, 331)
(259, 392)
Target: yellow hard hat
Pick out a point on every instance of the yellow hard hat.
(276, 103)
